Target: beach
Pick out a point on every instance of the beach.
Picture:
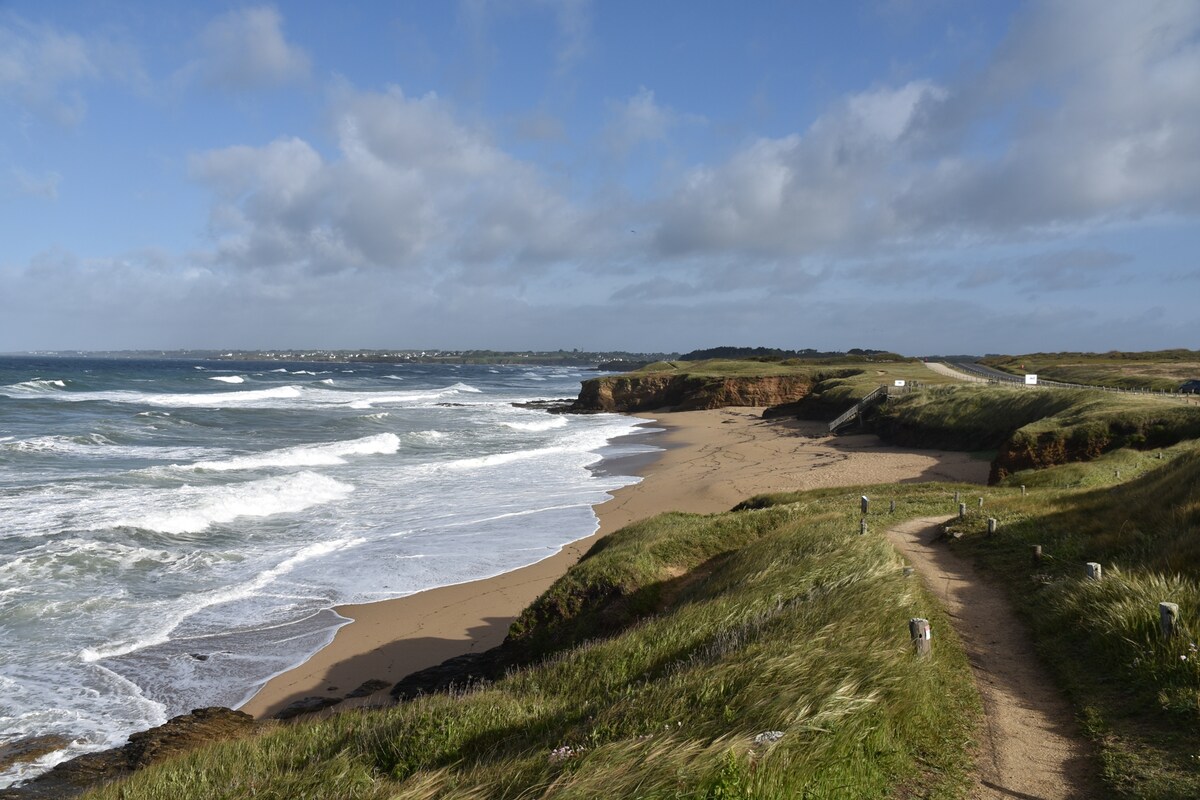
(711, 461)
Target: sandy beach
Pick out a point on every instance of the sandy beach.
(713, 460)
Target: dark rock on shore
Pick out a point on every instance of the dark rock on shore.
(30, 749)
(183, 733)
(561, 406)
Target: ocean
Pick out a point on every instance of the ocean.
(173, 533)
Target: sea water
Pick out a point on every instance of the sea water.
(174, 533)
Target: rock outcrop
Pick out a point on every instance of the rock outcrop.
(686, 392)
(178, 735)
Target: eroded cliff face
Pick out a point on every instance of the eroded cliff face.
(686, 392)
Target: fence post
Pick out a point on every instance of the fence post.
(1094, 571)
(1022, 490)
(921, 634)
(892, 507)
(981, 502)
(992, 523)
(956, 497)
(865, 503)
(1036, 553)
(1168, 619)
(962, 510)
(862, 527)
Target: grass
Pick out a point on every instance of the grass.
(1159, 370)
(1033, 428)
(657, 664)
(1136, 692)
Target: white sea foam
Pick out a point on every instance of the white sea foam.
(314, 455)
(326, 381)
(540, 425)
(191, 605)
(196, 508)
(37, 385)
(393, 377)
(228, 378)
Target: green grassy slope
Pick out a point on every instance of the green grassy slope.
(662, 659)
(1137, 693)
(1033, 428)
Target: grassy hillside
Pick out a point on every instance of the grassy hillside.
(1137, 693)
(762, 653)
(1033, 428)
(1158, 370)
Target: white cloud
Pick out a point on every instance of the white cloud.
(43, 69)
(411, 188)
(797, 193)
(246, 49)
(639, 119)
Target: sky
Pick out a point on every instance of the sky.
(924, 176)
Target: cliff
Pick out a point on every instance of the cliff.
(687, 392)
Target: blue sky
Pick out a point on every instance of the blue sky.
(921, 175)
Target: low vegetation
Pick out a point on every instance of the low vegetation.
(757, 653)
(1138, 515)
(1158, 370)
(1033, 427)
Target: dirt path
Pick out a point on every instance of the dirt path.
(951, 372)
(1029, 747)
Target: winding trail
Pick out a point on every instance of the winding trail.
(1029, 746)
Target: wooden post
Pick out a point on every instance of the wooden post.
(962, 510)
(992, 523)
(1118, 474)
(1036, 553)
(1168, 619)
(921, 634)
(981, 502)
(1094, 571)
(892, 507)
(1022, 490)
(862, 527)
(956, 497)
(865, 503)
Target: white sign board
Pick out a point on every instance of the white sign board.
(1031, 380)
(899, 383)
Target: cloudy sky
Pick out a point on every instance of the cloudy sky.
(921, 175)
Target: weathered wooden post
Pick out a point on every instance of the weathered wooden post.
(1022, 490)
(1036, 553)
(1118, 474)
(921, 635)
(956, 497)
(865, 503)
(981, 502)
(962, 510)
(992, 523)
(1168, 619)
(862, 527)
(892, 507)
(1094, 571)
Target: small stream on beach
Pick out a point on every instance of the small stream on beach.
(174, 533)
